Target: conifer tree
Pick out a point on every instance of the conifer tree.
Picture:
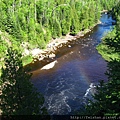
(56, 28)
(74, 28)
(18, 97)
(65, 22)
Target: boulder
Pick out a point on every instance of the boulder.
(52, 55)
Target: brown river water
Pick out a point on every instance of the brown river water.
(77, 65)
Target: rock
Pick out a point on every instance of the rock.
(49, 66)
(69, 46)
(49, 46)
(41, 58)
(26, 52)
(36, 51)
(52, 55)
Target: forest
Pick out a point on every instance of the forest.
(36, 23)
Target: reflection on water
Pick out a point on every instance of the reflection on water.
(65, 84)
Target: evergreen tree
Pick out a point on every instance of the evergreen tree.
(56, 28)
(65, 20)
(74, 28)
(18, 97)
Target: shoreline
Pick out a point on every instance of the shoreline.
(48, 55)
(57, 43)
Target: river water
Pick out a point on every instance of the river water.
(77, 66)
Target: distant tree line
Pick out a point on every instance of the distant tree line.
(37, 21)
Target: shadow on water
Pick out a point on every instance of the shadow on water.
(75, 68)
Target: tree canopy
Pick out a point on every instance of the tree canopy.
(19, 96)
(38, 21)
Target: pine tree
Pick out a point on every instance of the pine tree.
(65, 20)
(56, 28)
(74, 28)
(19, 96)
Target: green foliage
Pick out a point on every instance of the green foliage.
(108, 46)
(65, 20)
(56, 28)
(3, 47)
(18, 97)
(27, 59)
(36, 22)
(74, 28)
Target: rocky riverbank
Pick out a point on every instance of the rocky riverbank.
(54, 44)
(48, 55)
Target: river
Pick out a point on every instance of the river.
(75, 68)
